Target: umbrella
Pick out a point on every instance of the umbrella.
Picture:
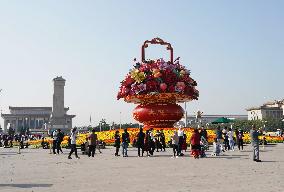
(222, 120)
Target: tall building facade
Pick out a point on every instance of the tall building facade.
(41, 119)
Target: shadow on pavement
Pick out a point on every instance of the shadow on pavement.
(25, 185)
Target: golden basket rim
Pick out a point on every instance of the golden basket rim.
(158, 97)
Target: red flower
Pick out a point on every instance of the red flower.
(152, 86)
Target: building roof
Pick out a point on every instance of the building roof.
(23, 115)
(264, 107)
(43, 108)
(229, 116)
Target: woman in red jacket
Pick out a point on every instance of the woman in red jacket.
(195, 143)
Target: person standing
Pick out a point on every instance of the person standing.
(54, 141)
(195, 143)
(230, 135)
(180, 141)
(175, 140)
(151, 142)
(240, 140)
(255, 143)
(117, 143)
(226, 139)
(203, 133)
(73, 143)
(219, 134)
(92, 141)
(125, 142)
(59, 140)
(147, 142)
(157, 141)
(140, 142)
(163, 140)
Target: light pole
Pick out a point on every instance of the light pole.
(185, 124)
(119, 120)
(26, 130)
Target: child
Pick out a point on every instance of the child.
(216, 148)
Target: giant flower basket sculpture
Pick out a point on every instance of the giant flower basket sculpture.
(157, 85)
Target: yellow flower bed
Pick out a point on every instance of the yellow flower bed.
(108, 136)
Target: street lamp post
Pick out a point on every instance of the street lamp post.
(185, 124)
(119, 120)
(27, 125)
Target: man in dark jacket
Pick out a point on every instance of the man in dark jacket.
(163, 140)
(140, 141)
(255, 143)
(59, 139)
(125, 142)
(92, 141)
(203, 133)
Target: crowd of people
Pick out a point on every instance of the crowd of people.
(147, 143)
(7, 140)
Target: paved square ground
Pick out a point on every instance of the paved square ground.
(37, 170)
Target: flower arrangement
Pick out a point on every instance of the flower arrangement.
(108, 136)
(158, 76)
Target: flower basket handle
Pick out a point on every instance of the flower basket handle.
(160, 42)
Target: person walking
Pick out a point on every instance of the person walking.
(163, 140)
(195, 143)
(125, 142)
(59, 140)
(226, 138)
(175, 140)
(54, 141)
(240, 140)
(230, 135)
(147, 142)
(73, 143)
(219, 137)
(255, 143)
(116, 143)
(92, 141)
(151, 142)
(203, 133)
(140, 142)
(180, 141)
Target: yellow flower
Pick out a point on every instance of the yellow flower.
(137, 75)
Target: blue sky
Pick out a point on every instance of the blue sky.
(233, 48)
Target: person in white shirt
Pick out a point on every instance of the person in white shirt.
(73, 143)
(180, 141)
(230, 135)
(54, 144)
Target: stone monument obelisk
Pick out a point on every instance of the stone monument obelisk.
(59, 119)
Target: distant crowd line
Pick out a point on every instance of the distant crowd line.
(147, 143)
